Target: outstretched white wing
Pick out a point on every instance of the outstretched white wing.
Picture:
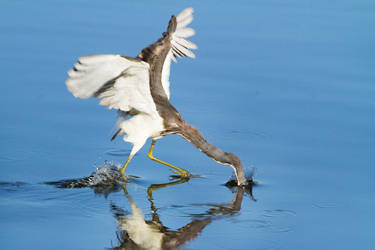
(121, 83)
(180, 45)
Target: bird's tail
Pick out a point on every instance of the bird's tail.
(116, 134)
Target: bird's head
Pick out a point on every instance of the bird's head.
(236, 164)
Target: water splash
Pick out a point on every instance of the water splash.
(249, 175)
(105, 177)
(109, 173)
(248, 188)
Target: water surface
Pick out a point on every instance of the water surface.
(286, 85)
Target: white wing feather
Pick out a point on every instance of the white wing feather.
(122, 83)
(91, 72)
(130, 91)
(180, 45)
(185, 14)
(179, 41)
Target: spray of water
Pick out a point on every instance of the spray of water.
(105, 176)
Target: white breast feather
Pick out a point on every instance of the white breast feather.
(140, 127)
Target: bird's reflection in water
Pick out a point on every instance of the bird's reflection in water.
(134, 232)
(137, 233)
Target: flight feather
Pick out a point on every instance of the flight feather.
(121, 83)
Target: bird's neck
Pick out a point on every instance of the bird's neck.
(192, 135)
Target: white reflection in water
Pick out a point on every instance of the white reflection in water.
(144, 235)
(138, 233)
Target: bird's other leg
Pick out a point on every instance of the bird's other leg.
(179, 171)
(122, 170)
(136, 146)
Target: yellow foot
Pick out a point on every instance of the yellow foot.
(178, 171)
(182, 172)
(124, 176)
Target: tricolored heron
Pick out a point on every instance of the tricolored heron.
(139, 88)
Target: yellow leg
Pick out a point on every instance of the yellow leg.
(124, 188)
(126, 164)
(179, 171)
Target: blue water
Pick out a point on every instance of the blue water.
(286, 85)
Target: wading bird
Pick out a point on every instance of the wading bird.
(139, 88)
